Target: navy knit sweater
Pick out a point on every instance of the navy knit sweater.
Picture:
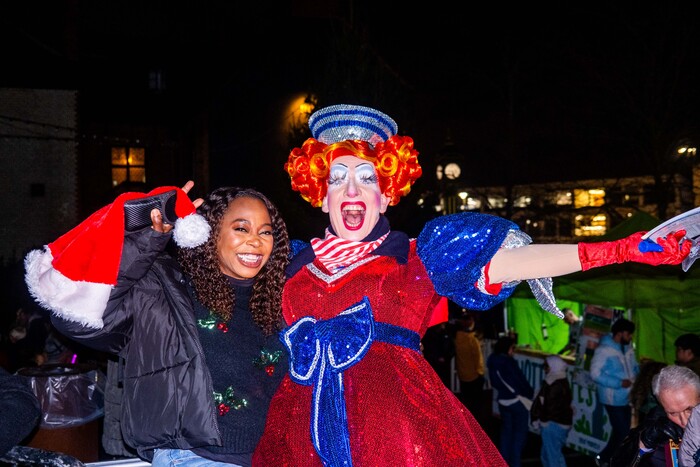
(246, 368)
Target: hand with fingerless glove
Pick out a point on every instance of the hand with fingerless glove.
(660, 432)
(667, 250)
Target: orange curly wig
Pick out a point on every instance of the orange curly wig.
(395, 161)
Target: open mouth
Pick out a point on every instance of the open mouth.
(353, 215)
(250, 260)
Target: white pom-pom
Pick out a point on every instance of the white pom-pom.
(191, 231)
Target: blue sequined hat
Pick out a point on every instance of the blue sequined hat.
(340, 122)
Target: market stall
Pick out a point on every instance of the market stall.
(662, 301)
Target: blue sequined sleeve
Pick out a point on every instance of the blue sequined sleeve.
(295, 246)
(455, 247)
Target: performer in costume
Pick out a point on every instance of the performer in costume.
(358, 300)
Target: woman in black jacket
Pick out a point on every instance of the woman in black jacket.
(197, 336)
(552, 411)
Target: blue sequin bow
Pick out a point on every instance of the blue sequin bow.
(320, 350)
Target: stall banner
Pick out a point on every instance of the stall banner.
(591, 428)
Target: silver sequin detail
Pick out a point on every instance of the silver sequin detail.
(328, 278)
(354, 122)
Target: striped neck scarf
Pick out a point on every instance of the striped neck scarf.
(336, 253)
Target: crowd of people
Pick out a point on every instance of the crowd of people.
(238, 346)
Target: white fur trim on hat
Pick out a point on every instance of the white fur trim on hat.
(191, 231)
(78, 301)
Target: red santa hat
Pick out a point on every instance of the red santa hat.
(74, 275)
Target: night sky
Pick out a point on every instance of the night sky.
(526, 92)
(591, 86)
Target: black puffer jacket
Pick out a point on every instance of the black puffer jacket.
(553, 403)
(149, 322)
(628, 453)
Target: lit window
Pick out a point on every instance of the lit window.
(590, 226)
(563, 198)
(473, 203)
(522, 201)
(496, 202)
(687, 151)
(128, 165)
(559, 198)
(593, 197)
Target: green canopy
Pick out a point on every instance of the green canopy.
(664, 301)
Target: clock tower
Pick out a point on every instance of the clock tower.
(451, 175)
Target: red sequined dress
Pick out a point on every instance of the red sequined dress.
(398, 411)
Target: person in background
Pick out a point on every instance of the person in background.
(358, 300)
(439, 349)
(575, 322)
(514, 397)
(642, 397)
(649, 444)
(198, 335)
(688, 351)
(614, 368)
(552, 412)
(28, 339)
(20, 411)
(469, 361)
(57, 348)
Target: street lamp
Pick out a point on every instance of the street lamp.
(686, 151)
(449, 175)
(687, 173)
(463, 196)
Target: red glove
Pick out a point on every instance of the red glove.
(671, 251)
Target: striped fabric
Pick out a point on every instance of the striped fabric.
(336, 253)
